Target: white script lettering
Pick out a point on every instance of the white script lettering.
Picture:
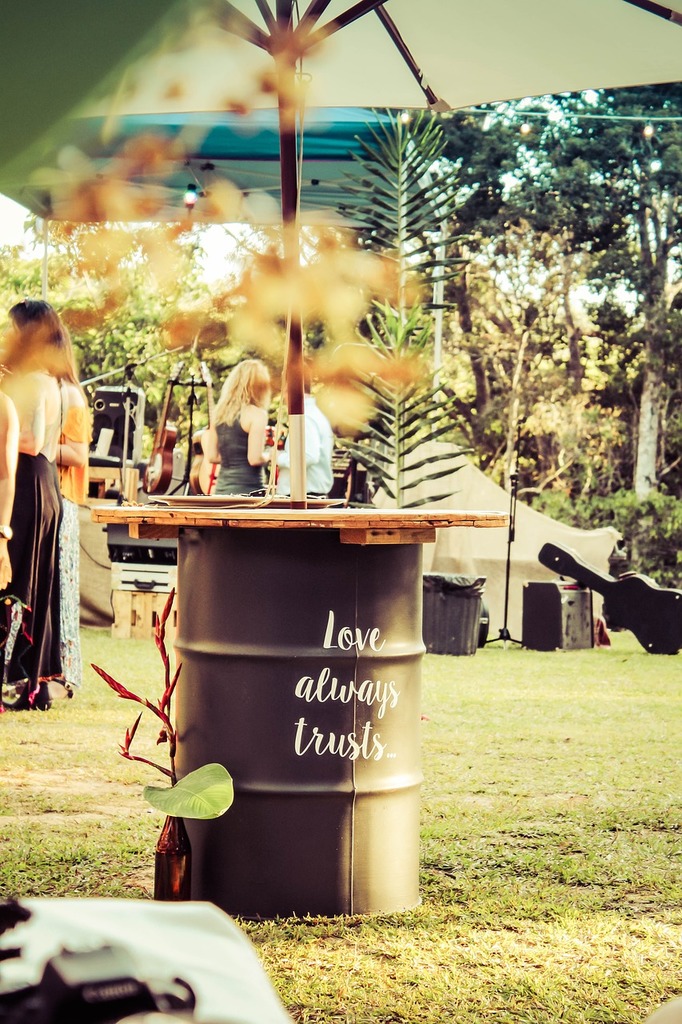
(327, 687)
(347, 638)
(351, 745)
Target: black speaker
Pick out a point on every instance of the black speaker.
(109, 414)
(557, 616)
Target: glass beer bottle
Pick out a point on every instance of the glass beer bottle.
(173, 862)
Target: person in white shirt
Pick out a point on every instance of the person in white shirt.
(319, 445)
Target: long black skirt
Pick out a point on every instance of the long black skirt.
(33, 658)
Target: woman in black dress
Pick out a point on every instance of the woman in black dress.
(9, 451)
(236, 438)
(33, 362)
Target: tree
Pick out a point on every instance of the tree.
(517, 325)
(607, 174)
(596, 198)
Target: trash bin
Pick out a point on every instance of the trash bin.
(452, 613)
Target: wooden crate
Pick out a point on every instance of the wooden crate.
(107, 478)
(144, 576)
(136, 613)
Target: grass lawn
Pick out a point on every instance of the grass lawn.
(551, 872)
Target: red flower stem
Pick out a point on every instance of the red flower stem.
(152, 764)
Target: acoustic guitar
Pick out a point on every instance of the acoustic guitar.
(202, 474)
(159, 471)
(633, 601)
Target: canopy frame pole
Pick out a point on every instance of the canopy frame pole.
(659, 10)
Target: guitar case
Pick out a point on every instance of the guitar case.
(633, 601)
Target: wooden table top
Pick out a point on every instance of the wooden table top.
(355, 525)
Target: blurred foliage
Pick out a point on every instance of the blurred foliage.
(132, 319)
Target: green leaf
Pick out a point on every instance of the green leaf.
(204, 793)
(428, 499)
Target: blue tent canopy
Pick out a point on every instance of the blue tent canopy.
(199, 149)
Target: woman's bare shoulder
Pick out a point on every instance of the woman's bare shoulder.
(253, 415)
(73, 394)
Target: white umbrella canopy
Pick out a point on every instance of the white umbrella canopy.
(217, 55)
(55, 56)
(410, 53)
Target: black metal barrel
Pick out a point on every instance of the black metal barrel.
(302, 675)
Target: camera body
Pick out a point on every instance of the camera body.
(93, 986)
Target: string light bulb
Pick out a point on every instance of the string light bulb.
(191, 196)
(648, 131)
(525, 128)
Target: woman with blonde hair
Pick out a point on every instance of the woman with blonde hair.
(236, 437)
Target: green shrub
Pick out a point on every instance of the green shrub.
(651, 528)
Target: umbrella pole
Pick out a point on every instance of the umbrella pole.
(292, 257)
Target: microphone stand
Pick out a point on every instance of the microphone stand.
(184, 485)
(125, 369)
(504, 633)
(127, 394)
